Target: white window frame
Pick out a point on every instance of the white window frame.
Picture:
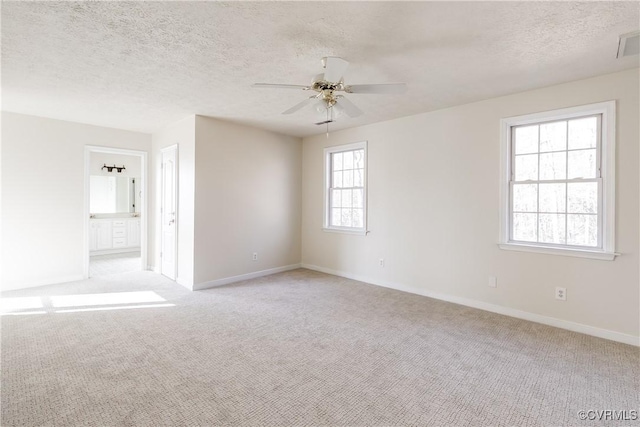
(327, 183)
(607, 155)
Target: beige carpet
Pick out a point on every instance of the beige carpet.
(297, 348)
(102, 265)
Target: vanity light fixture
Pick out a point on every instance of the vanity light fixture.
(111, 168)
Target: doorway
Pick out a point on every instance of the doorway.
(115, 211)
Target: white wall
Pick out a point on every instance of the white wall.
(43, 196)
(434, 211)
(183, 134)
(248, 199)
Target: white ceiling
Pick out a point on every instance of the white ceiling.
(143, 65)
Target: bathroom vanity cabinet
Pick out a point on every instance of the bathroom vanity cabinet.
(114, 235)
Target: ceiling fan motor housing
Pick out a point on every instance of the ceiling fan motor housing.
(325, 89)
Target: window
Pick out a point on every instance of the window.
(345, 185)
(558, 182)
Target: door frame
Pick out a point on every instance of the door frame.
(161, 204)
(144, 205)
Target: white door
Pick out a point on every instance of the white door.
(168, 212)
(104, 237)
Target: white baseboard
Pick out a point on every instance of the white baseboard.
(512, 312)
(153, 268)
(114, 251)
(233, 279)
(42, 282)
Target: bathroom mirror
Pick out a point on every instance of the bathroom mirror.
(113, 194)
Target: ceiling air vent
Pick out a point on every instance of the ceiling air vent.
(629, 44)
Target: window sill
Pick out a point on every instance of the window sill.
(580, 253)
(345, 231)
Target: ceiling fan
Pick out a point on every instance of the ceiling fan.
(327, 85)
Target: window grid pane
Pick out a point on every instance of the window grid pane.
(556, 189)
(346, 190)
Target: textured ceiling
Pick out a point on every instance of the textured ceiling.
(143, 65)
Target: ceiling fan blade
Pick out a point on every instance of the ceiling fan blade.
(349, 107)
(377, 88)
(334, 68)
(299, 105)
(279, 86)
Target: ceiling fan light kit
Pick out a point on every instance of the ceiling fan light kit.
(327, 84)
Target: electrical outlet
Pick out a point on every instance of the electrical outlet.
(255, 256)
(381, 262)
(561, 293)
(493, 282)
